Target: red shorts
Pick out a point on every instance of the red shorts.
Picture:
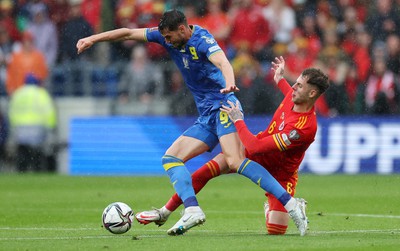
(290, 186)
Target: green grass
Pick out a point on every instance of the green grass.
(53, 212)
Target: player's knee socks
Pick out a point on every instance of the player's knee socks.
(199, 180)
(260, 176)
(180, 179)
(276, 229)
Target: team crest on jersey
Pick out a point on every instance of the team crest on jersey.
(185, 63)
(209, 40)
(294, 135)
(281, 126)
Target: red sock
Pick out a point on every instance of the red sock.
(275, 229)
(199, 180)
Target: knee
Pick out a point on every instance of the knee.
(234, 163)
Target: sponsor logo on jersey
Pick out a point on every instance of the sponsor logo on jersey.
(209, 40)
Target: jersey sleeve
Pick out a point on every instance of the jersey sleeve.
(289, 138)
(208, 45)
(153, 35)
(284, 86)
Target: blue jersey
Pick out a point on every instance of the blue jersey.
(201, 76)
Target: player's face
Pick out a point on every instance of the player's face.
(176, 38)
(301, 91)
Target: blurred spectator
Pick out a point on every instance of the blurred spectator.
(256, 96)
(359, 70)
(350, 22)
(217, 22)
(44, 32)
(381, 91)
(347, 30)
(141, 81)
(7, 20)
(126, 17)
(3, 137)
(250, 30)
(33, 121)
(393, 53)
(325, 17)
(282, 20)
(91, 11)
(6, 47)
(308, 29)
(58, 12)
(299, 57)
(361, 55)
(383, 21)
(191, 13)
(334, 62)
(181, 101)
(26, 60)
(75, 28)
(246, 71)
(150, 13)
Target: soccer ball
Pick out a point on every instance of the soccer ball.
(118, 218)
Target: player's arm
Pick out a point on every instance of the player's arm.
(278, 68)
(253, 144)
(112, 35)
(219, 60)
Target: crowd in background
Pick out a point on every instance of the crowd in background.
(356, 42)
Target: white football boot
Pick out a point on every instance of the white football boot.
(158, 216)
(266, 209)
(193, 216)
(298, 215)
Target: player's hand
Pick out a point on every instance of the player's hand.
(278, 67)
(228, 89)
(83, 44)
(233, 111)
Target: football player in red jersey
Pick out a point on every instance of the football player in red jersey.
(280, 148)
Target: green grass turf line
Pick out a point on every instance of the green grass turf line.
(55, 212)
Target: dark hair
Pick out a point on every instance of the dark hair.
(317, 78)
(171, 20)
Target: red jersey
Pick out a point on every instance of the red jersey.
(281, 147)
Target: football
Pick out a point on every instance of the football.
(118, 218)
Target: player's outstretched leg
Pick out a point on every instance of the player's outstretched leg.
(193, 216)
(158, 216)
(298, 215)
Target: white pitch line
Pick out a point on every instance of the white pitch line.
(63, 229)
(364, 231)
(364, 215)
(313, 213)
(215, 233)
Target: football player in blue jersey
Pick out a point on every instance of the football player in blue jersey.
(209, 75)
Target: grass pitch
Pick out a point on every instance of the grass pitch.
(54, 212)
